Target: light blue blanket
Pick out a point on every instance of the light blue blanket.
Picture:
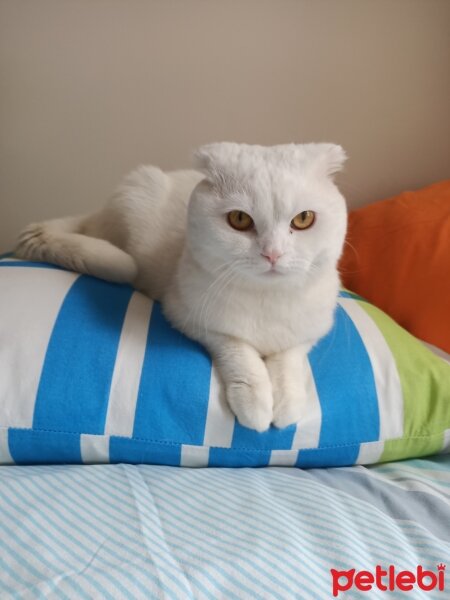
(116, 531)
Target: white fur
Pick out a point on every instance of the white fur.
(167, 233)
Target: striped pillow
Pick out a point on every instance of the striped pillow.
(92, 372)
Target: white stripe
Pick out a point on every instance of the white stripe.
(446, 446)
(307, 433)
(437, 351)
(283, 458)
(219, 420)
(419, 472)
(5, 455)
(387, 381)
(94, 448)
(370, 453)
(127, 370)
(194, 456)
(30, 299)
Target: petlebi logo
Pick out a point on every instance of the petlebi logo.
(389, 579)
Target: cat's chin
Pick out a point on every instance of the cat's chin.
(272, 272)
(278, 278)
(274, 275)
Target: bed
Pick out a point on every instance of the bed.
(139, 531)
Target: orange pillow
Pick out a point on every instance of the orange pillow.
(398, 257)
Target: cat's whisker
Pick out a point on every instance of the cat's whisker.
(347, 243)
(228, 298)
(209, 293)
(194, 309)
(219, 268)
(198, 307)
(216, 288)
(226, 283)
(193, 314)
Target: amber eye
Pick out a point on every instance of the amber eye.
(303, 220)
(240, 220)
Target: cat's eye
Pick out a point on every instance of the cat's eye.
(240, 220)
(303, 220)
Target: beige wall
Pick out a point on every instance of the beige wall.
(90, 88)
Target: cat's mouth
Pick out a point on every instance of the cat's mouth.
(273, 270)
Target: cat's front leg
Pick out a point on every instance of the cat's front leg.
(287, 372)
(247, 383)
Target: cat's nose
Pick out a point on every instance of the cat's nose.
(272, 257)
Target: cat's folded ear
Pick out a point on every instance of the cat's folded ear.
(214, 160)
(328, 158)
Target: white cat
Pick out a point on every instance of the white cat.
(242, 255)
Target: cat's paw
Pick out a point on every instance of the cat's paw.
(289, 393)
(252, 404)
(31, 241)
(287, 412)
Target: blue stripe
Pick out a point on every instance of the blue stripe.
(237, 457)
(28, 447)
(173, 394)
(128, 450)
(272, 439)
(345, 385)
(343, 456)
(76, 377)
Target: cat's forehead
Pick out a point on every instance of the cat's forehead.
(262, 186)
(274, 182)
(274, 193)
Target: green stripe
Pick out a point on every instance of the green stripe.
(425, 381)
(412, 447)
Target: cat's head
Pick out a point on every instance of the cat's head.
(267, 214)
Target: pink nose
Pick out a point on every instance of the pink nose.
(272, 257)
